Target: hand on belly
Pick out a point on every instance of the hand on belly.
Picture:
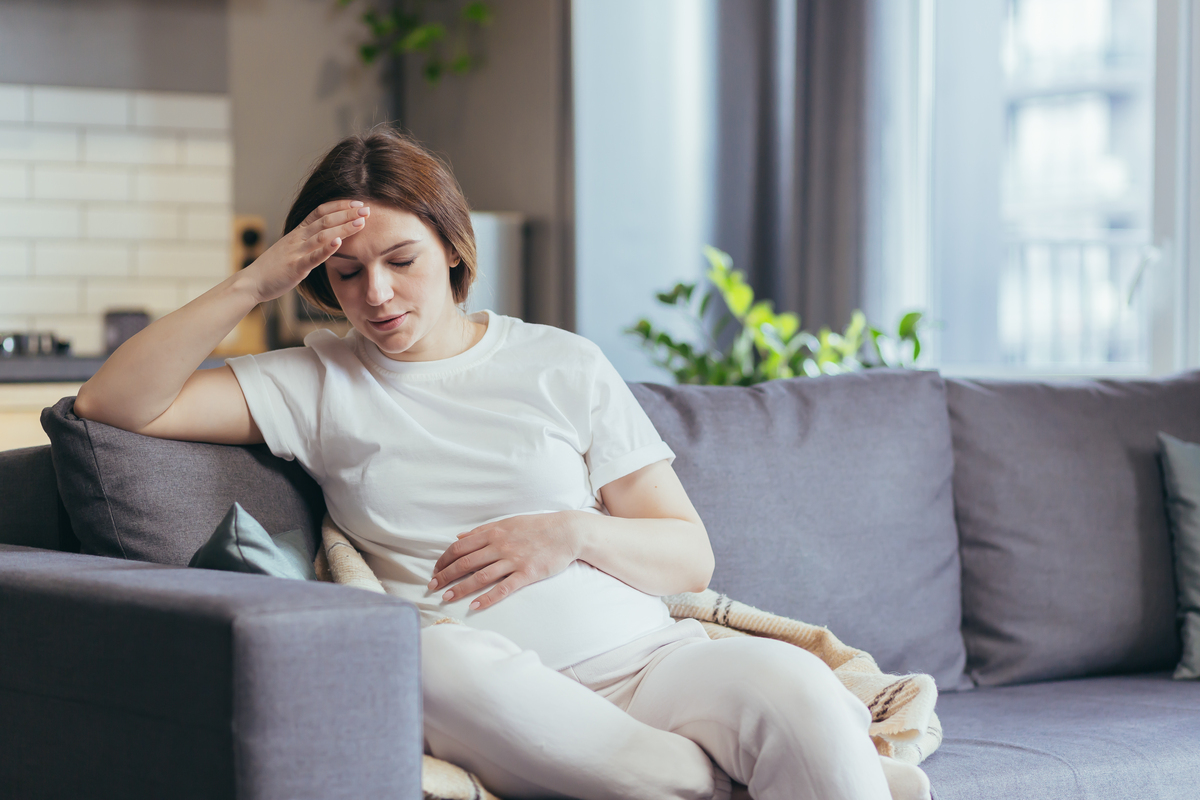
(509, 553)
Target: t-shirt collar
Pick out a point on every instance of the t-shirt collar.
(472, 355)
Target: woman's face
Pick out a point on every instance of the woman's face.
(392, 279)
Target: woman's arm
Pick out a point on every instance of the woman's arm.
(654, 541)
(151, 384)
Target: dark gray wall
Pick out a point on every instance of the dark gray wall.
(178, 45)
(506, 131)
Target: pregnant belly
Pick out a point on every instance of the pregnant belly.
(569, 617)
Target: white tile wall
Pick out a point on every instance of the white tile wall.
(80, 106)
(207, 226)
(14, 103)
(139, 222)
(207, 151)
(184, 261)
(175, 185)
(55, 182)
(109, 199)
(14, 181)
(101, 146)
(33, 219)
(177, 110)
(82, 259)
(14, 259)
(40, 296)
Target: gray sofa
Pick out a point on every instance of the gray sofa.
(1007, 538)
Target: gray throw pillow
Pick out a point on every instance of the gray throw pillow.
(240, 544)
(1181, 474)
(136, 497)
(1066, 551)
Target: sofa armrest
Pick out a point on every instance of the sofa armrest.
(127, 679)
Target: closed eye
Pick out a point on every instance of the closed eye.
(345, 276)
(402, 263)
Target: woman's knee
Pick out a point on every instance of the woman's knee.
(465, 670)
(786, 681)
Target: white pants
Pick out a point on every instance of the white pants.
(641, 721)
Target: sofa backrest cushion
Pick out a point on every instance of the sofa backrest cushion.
(31, 513)
(829, 500)
(136, 497)
(1065, 547)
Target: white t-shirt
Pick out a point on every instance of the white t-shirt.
(531, 419)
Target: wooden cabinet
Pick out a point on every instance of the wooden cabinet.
(21, 407)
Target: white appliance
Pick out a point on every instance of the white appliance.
(500, 249)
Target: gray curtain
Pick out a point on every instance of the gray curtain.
(790, 199)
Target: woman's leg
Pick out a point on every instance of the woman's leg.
(772, 716)
(528, 731)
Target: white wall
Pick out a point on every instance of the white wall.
(297, 88)
(644, 91)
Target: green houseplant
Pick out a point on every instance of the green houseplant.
(441, 30)
(768, 345)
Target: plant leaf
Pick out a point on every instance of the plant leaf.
(478, 13)
(433, 70)
(423, 37)
(909, 323)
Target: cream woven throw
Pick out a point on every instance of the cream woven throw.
(904, 725)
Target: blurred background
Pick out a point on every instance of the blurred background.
(1018, 170)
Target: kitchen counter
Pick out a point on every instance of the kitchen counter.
(60, 369)
(30, 383)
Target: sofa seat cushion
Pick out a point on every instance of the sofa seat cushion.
(1066, 553)
(829, 500)
(1088, 739)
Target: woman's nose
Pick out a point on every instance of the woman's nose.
(379, 290)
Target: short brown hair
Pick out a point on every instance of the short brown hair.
(386, 166)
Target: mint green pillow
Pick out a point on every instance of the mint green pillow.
(1181, 474)
(240, 544)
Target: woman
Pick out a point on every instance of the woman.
(500, 474)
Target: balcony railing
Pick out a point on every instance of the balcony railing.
(1075, 304)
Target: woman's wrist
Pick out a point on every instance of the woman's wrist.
(243, 285)
(579, 534)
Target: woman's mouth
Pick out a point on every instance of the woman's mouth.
(388, 323)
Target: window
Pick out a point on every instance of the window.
(1051, 242)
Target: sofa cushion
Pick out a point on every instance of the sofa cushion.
(1181, 474)
(133, 496)
(31, 513)
(1065, 548)
(1090, 739)
(829, 500)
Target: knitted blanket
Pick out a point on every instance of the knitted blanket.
(903, 723)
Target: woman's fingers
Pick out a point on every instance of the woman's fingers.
(468, 544)
(506, 587)
(464, 565)
(478, 580)
(354, 216)
(327, 242)
(326, 209)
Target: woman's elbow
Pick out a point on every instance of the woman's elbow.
(84, 405)
(704, 571)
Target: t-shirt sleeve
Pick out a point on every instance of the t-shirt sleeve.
(623, 438)
(283, 392)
